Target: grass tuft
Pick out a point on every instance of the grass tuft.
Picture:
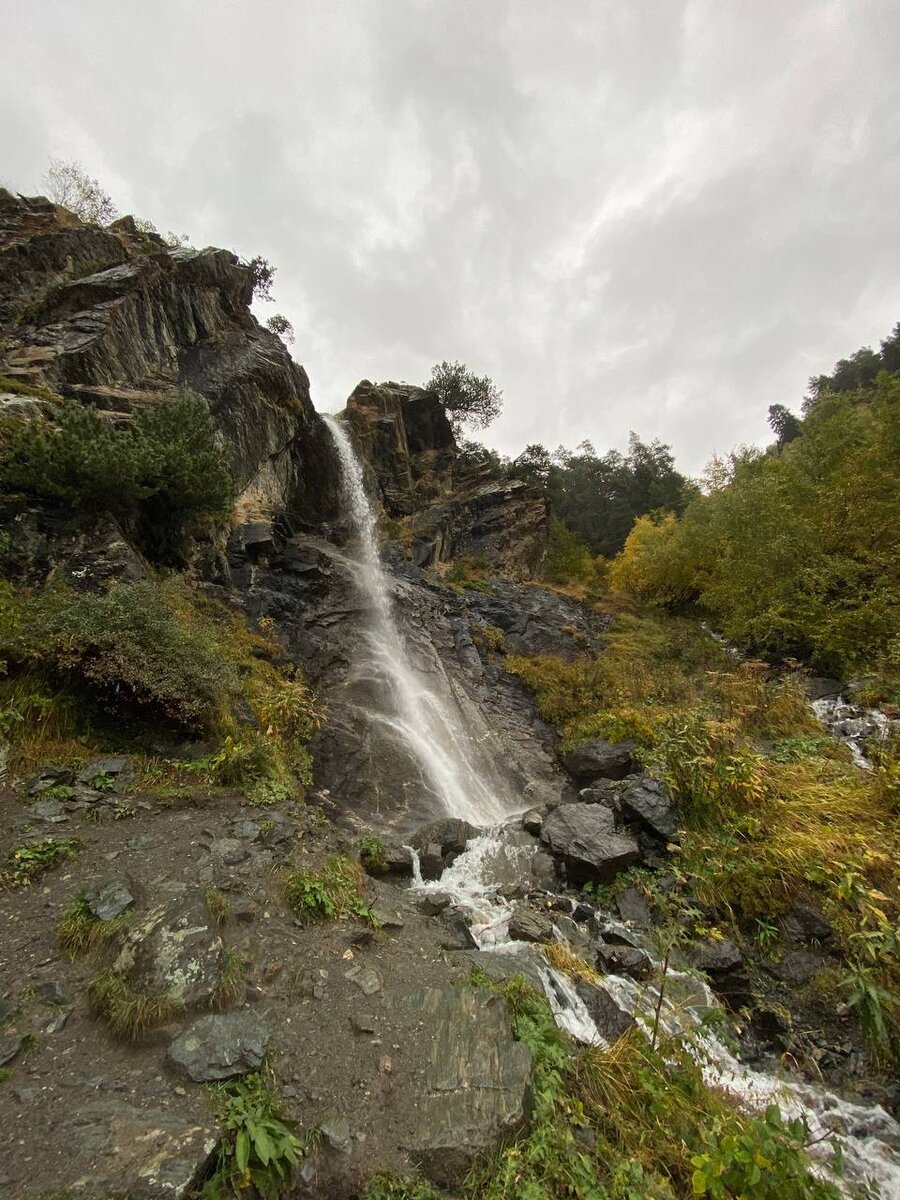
(128, 1012)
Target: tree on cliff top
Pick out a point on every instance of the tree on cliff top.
(68, 184)
(467, 398)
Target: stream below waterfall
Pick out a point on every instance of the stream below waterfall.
(452, 747)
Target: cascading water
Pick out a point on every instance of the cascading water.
(452, 753)
(449, 744)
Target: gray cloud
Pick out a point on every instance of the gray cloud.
(659, 217)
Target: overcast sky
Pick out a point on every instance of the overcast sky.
(659, 215)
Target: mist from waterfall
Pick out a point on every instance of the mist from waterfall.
(441, 732)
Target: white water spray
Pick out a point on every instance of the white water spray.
(449, 744)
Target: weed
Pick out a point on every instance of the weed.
(29, 862)
(218, 904)
(332, 893)
(467, 573)
(258, 1149)
(489, 637)
(372, 855)
(231, 977)
(388, 1186)
(268, 793)
(128, 1012)
(79, 930)
(878, 1010)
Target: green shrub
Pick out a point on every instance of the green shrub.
(130, 644)
(162, 470)
(29, 862)
(372, 855)
(333, 892)
(258, 1149)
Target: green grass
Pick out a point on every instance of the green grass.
(31, 861)
(372, 855)
(332, 893)
(80, 931)
(230, 982)
(8, 383)
(128, 1012)
(218, 904)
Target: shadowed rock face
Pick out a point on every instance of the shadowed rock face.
(115, 318)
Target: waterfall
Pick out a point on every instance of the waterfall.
(439, 729)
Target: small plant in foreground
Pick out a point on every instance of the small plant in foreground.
(372, 855)
(388, 1186)
(219, 905)
(231, 976)
(878, 1011)
(335, 891)
(258, 1148)
(29, 862)
(128, 1012)
(79, 930)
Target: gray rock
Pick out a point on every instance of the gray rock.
(53, 991)
(496, 965)
(335, 1132)
(451, 834)
(366, 978)
(802, 923)
(633, 907)
(624, 960)
(583, 836)
(716, 957)
(117, 769)
(647, 801)
(613, 932)
(476, 1091)
(599, 759)
(230, 851)
(397, 858)
(175, 949)
(817, 687)
(49, 777)
(109, 898)
(611, 1019)
(48, 810)
(220, 1046)
(432, 903)
(10, 1047)
(569, 929)
(532, 821)
(799, 967)
(528, 925)
(458, 935)
(431, 862)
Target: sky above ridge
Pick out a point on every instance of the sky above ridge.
(652, 215)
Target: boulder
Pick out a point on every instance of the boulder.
(647, 802)
(802, 923)
(532, 821)
(49, 777)
(451, 834)
(799, 967)
(583, 836)
(431, 861)
(476, 1091)
(116, 770)
(174, 950)
(220, 1046)
(717, 956)
(633, 907)
(599, 759)
(528, 925)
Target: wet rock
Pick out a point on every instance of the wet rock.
(817, 687)
(397, 859)
(220, 1046)
(174, 949)
(611, 1019)
(432, 903)
(528, 925)
(569, 929)
(647, 802)
(633, 907)
(583, 836)
(431, 862)
(613, 932)
(458, 935)
(802, 923)
(496, 965)
(476, 1091)
(109, 898)
(624, 960)
(450, 834)
(771, 1023)
(532, 821)
(599, 759)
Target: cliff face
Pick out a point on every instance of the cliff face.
(115, 318)
(454, 506)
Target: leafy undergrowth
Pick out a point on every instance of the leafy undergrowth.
(628, 1123)
(86, 672)
(772, 810)
(258, 1150)
(29, 862)
(329, 894)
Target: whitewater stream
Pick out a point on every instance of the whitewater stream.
(448, 740)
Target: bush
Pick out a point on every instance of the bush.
(129, 645)
(163, 471)
(333, 892)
